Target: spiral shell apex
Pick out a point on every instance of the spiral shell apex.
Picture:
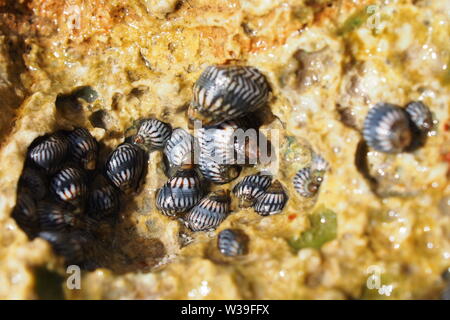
(420, 115)
(387, 128)
(152, 134)
(303, 183)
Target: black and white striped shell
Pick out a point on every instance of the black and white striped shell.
(51, 152)
(387, 128)
(420, 115)
(216, 172)
(83, 148)
(152, 134)
(272, 201)
(232, 242)
(180, 193)
(125, 167)
(307, 182)
(70, 245)
(34, 182)
(250, 188)
(54, 216)
(227, 92)
(25, 213)
(209, 212)
(103, 201)
(69, 185)
(179, 149)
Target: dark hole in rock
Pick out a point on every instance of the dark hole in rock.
(138, 92)
(101, 119)
(382, 185)
(362, 165)
(69, 104)
(48, 285)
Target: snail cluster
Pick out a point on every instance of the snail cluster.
(55, 199)
(63, 192)
(223, 98)
(392, 129)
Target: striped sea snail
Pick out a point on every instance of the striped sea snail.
(103, 200)
(54, 216)
(392, 129)
(218, 156)
(272, 201)
(308, 180)
(225, 92)
(179, 148)
(125, 167)
(232, 242)
(34, 182)
(251, 188)
(387, 128)
(69, 185)
(180, 193)
(420, 115)
(152, 134)
(83, 148)
(50, 152)
(209, 212)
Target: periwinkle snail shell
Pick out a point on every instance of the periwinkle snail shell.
(272, 201)
(250, 188)
(180, 193)
(225, 92)
(103, 201)
(69, 185)
(125, 167)
(83, 148)
(387, 128)
(232, 242)
(179, 148)
(209, 212)
(152, 134)
(50, 153)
